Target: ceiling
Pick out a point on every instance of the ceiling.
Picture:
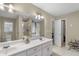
(58, 9)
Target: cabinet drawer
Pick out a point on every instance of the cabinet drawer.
(33, 50)
(22, 53)
(47, 44)
(37, 54)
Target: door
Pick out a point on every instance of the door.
(57, 32)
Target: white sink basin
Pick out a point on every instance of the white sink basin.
(4, 51)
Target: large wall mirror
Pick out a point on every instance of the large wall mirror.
(37, 28)
(15, 25)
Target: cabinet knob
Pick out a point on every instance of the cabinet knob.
(47, 48)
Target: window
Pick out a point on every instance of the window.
(8, 27)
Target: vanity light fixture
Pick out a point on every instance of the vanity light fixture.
(9, 7)
(39, 17)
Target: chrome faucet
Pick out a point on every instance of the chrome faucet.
(26, 39)
(6, 45)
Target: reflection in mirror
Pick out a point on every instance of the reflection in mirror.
(8, 30)
(26, 27)
(33, 28)
(37, 28)
(38, 25)
(11, 25)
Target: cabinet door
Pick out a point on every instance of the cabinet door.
(50, 48)
(23, 53)
(33, 50)
(47, 49)
(37, 54)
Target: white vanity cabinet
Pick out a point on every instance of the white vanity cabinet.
(43, 48)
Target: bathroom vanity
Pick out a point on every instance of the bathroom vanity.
(12, 30)
(34, 48)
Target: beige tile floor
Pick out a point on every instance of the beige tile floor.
(64, 51)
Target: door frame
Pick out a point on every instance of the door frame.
(64, 37)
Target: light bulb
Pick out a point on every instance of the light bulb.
(36, 17)
(42, 17)
(1, 7)
(22, 25)
(39, 16)
(10, 6)
(10, 10)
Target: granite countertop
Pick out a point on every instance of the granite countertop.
(21, 46)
